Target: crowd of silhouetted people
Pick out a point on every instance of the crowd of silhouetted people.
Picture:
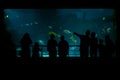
(89, 44)
(63, 47)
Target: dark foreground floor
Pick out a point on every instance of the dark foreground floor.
(70, 60)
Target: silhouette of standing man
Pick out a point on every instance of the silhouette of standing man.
(63, 48)
(25, 44)
(109, 46)
(93, 45)
(51, 47)
(85, 42)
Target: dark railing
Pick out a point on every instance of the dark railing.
(73, 51)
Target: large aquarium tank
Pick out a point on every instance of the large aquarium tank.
(40, 23)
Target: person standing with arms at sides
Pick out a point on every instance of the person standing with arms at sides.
(63, 48)
(51, 47)
(25, 44)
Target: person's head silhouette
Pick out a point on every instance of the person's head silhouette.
(52, 36)
(26, 34)
(87, 32)
(62, 37)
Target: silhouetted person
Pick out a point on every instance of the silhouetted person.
(101, 49)
(109, 46)
(51, 47)
(36, 49)
(25, 44)
(7, 47)
(84, 44)
(63, 48)
(11, 47)
(93, 45)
